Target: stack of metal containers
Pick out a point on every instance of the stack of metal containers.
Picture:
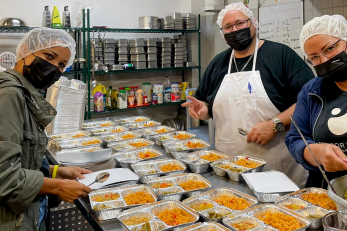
(183, 39)
(177, 18)
(137, 53)
(151, 51)
(177, 54)
(164, 52)
(167, 23)
(123, 52)
(109, 51)
(189, 21)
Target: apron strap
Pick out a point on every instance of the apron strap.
(231, 60)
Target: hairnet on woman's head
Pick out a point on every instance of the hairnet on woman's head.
(334, 25)
(44, 38)
(239, 7)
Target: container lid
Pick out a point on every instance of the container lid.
(122, 91)
(110, 87)
(168, 88)
(127, 88)
(146, 84)
(134, 87)
(121, 88)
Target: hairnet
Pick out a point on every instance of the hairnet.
(334, 25)
(239, 7)
(44, 38)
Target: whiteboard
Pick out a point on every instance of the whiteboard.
(282, 23)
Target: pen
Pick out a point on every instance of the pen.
(249, 87)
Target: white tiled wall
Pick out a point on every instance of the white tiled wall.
(317, 8)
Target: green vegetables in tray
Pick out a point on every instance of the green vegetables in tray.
(214, 215)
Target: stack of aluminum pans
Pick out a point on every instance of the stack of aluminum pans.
(183, 39)
(137, 53)
(177, 18)
(165, 49)
(151, 52)
(123, 52)
(189, 21)
(167, 23)
(109, 51)
(177, 55)
(149, 22)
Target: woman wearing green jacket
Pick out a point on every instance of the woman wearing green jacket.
(41, 56)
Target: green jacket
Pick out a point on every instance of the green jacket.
(24, 114)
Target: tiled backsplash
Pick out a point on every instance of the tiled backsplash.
(317, 8)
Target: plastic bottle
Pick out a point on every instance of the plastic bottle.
(104, 101)
(145, 98)
(46, 18)
(167, 95)
(66, 17)
(101, 88)
(148, 88)
(56, 21)
(109, 99)
(122, 100)
(166, 82)
(114, 99)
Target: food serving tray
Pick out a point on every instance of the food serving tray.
(153, 211)
(235, 170)
(125, 159)
(251, 215)
(69, 135)
(181, 146)
(148, 133)
(196, 161)
(212, 195)
(162, 138)
(127, 145)
(101, 123)
(84, 149)
(151, 169)
(110, 209)
(175, 192)
(132, 119)
(120, 136)
(82, 142)
(102, 131)
(139, 125)
(204, 226)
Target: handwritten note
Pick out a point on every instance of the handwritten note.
(282, 23)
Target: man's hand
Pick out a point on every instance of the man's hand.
(71, 173)
(197, 109)
(261, 133)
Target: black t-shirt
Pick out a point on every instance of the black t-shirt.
(282, 71)
(331, 125)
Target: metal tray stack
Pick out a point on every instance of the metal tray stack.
(111, 209)
(177, 18)
(137, 52)
(142, 125)
(204, 226)
(164, 52)
(148, 133)
(183, 39)
(178, 148)
(102, 123)
(125, 159)
(176, 192)
(152, 211)
(123, 52)
(151, 53)
(132, 119)
(307, 208)
(211, 196)
(235, 175)
(120, 136)
(109, 51)
(251, 214)
(69, 135)
(177, 54)
(125, 146)
(189, 21)
(102, 131)
(167, 23)
(148, 170)
(196, 163)
(82, 142)
(162, 138)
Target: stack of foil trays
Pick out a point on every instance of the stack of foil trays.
(68, 98)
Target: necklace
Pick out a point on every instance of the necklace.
(244, 65)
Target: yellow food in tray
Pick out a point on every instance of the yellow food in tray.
(128, 136)
(117, 130)
(136, 220)
(233, 202)
(147, 155)
(105, 197)
(182, 136)
(202, 206)
(229, 167)
(101, 207)
(280, 221)
(140, 120)
(195, 145)
(105, 124)
(170, 168)
(294, 207)
(151, 124)
(139, 144)
(247, 163)
(192, 185)
(163, 185)
(91, 142)
(211, 157)
(174, 217)
(78, 135)
(163, 130)
(243, 225)
(320, 199)
(138, 198)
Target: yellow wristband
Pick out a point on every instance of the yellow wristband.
(54, 174)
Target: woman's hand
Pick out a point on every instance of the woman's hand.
(197, 109)
(70, 190)
(71, 173)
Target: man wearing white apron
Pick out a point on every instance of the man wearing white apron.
(252, 86)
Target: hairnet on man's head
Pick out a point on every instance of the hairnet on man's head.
(334, 25)
(44, 38)
(239, 7)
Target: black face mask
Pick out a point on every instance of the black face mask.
(41, 74)
(239, 40)
(334, 69)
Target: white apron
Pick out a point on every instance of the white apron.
(236, 107)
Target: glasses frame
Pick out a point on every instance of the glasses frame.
(234, 25)
(308, 60)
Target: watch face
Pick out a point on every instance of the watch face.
(280, 127)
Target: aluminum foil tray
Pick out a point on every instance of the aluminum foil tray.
(139, 125)
(132, 119)
(159, 139)
(82, 142)
(205, 226)
(69, 135)
(152, 211)
(151, 169)
(148, 133)
(176, 191)
(197, 163)
(84, 149)
(110, 209)
(102, 131)
(238, 170)
(211, 196)
(120, 136)
(120, 147)
(125, 159)
(181, 146)
(251, 215)
(102, 123)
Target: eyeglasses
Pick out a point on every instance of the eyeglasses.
(328, 52)
(239, 25)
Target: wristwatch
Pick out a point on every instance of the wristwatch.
(279, 127)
